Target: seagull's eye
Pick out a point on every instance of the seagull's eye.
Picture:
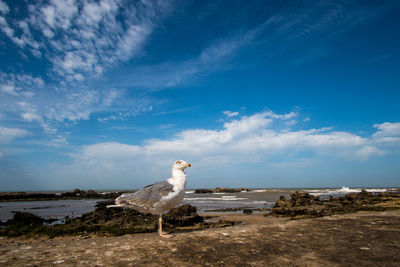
(178, 162)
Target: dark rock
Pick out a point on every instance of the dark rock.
(247, 211)
(221, 190)
(303, 199)
(281, 202)
(184, 215)
(225, 210)
(203, 191)
(25, 218)
(230, 190)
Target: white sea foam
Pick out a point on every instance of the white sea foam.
(343, 190)
(376, 190)
(261, 202)
(229, 197)
(257, 191)
(224, 198)
(189, 192)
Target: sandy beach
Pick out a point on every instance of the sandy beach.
(365, 238)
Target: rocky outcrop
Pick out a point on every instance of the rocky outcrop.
(129, 220)
(203, 191)
(221, 190)
(230, 190)
(302, 204)
(26, 219)
(75, 194)
(107, 221)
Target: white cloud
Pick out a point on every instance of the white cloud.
(230, 113)
(19, 84)
(4, 7)
(9, 32)
(82, 38)
(387, 135)
(283, 117)
(8, 89)
(8, 135)
(30, 116)
(387, 129)
(248, 139)
(111, 96)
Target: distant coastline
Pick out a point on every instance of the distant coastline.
(77, 194)
(74, 194)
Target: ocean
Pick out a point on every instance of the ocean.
(205, 203)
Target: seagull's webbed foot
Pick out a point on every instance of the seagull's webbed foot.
(165, 235)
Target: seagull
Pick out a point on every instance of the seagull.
(159, 197)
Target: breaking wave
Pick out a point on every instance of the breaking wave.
(341, 191)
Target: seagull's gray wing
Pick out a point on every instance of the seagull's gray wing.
(146, 197)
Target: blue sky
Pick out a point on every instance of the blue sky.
(107, 94)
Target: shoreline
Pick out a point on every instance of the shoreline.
(78, 194)
(75, 194)
(362, 238)
(117, 221)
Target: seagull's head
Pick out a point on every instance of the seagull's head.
(181, 165)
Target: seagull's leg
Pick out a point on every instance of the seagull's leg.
(160, 232)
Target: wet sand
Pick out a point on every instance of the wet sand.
(359, 239)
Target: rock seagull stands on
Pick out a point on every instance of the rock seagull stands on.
(159, 197)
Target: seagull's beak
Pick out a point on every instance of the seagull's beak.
(189, 165)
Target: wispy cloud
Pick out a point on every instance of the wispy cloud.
(213, 58)
(230, 113)
(171, 111)
(58, 141)
(318, 22)
(123, 116)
